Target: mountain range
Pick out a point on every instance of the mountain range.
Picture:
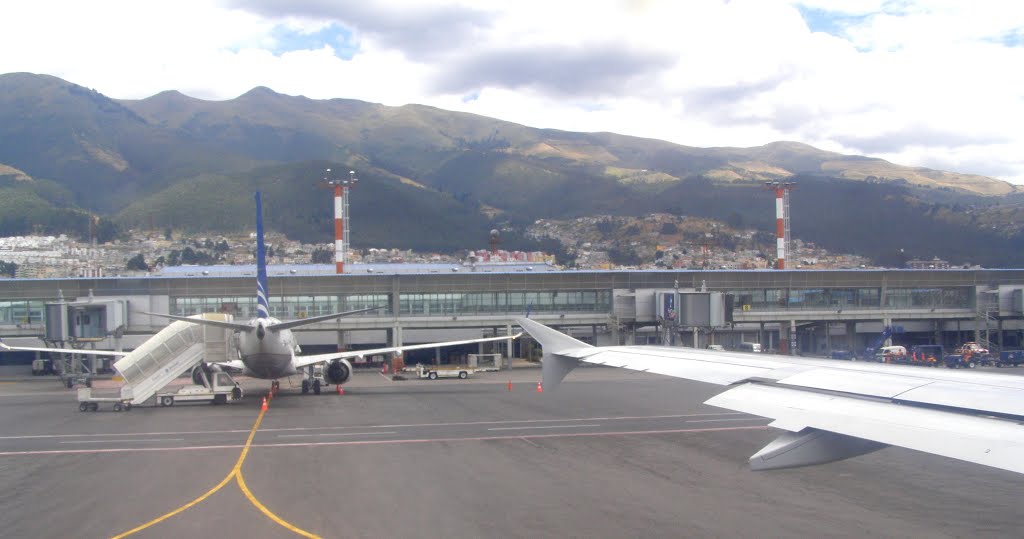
(438, 180)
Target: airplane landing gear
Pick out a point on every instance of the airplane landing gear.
(275, 386)
(305, 386)
(316, 387)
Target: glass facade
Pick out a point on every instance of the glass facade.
(578, 301)
(22, 313)
(450, 304)
(775, 299)
(282, 307)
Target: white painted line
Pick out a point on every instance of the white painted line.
(719, 420)
(389, 426)
(548, 427)
(114, 434)
(507, 422)
(149, 440)
(337, 434)
(519, 437)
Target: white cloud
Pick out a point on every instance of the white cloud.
(933, 83)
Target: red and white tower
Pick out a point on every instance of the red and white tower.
(782, 236)
(341, 228)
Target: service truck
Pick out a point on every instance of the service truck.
(433, 373)
(222, 390)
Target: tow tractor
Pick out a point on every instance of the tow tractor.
(435, 373)
(968, 356)
(223, 389)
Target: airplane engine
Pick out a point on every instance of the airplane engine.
(338, 371)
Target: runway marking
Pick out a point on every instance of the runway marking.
(389, 426)
(377, 442)
(236, 474)
(547, 427)
(720, 420)
(113, 434)
(504, 422)
(112, 441)
(338, 434)
(512, 437)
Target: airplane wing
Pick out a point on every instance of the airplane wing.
(314, 319)
(4, 347)
(237, 326)
(305, 361)
(245, 327)
(831, 409)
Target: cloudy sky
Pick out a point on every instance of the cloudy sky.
(929, 83)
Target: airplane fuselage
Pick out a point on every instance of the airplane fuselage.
(267, 354)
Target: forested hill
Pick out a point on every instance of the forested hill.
(439, 180)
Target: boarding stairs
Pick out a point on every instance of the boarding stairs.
(173, 351)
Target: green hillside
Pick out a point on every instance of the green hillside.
(428, 174)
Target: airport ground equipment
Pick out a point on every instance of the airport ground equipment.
(89, 400)
(220, 388)
(968, 356)
(1010, 358)
(435, 373)
(887, 332)
(170, 353)
(42, 367)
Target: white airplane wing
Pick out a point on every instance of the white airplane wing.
(831, 409)
(304, 361)
(84, 351)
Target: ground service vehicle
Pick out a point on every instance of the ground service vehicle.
(222, 389)
(433, 373)
(1010, 358)
(42, 367)
(929, 355)
(891, 354)
(750, 347)
(870, 353)
(969, 355)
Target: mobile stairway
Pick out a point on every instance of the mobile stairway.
(173, 351)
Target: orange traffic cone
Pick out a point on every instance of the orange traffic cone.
(263, 407)
(270, 395)
(540, 388)
(510, 385)
(340, 390)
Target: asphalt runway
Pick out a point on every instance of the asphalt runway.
(611, 454)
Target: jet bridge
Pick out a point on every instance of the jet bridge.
(173, 351)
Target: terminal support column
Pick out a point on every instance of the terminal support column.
(508, 350)
(341, 340)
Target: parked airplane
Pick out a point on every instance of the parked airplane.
(833, 410)
(268, 349)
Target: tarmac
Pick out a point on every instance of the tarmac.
(610, 454)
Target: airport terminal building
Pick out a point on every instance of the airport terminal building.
(808, 312)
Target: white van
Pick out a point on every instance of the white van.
(750, 347)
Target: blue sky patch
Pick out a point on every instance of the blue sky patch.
(337, 37)
(1011, 39)
(830, 22)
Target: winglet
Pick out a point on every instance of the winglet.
(555, 365)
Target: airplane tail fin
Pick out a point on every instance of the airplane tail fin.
(262, 290)
(558, 358)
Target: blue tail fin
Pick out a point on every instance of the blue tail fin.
(262, 290)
